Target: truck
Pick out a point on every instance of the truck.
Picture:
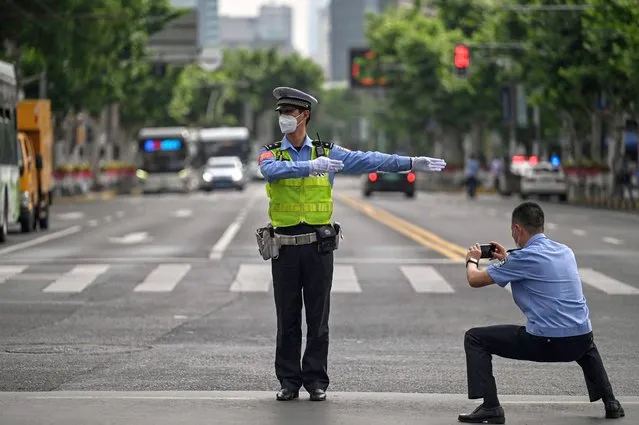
(35, 163)
(9, 168)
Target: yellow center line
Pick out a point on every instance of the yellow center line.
(410, 230)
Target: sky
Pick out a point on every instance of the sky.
(251, 7)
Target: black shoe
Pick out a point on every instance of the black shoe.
(483, 415)
(285, 394)
(317, 395)
(614, 410)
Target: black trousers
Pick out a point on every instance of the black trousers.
(513, 342)
(302, 275)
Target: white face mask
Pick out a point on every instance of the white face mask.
(288, 123)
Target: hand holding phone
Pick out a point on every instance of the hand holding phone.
(487, 250)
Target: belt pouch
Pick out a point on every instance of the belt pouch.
(326, 238)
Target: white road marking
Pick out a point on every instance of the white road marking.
(7, 272)
(346, 260)
(77, 279)
(606, 284)
(252, 278)
(92, 223)
(345, 280)
(268, 395)
(119, 214)
(426, 279)
(74, 215)
(107, 218)
(225, 240)
(579, 232)
(164, 278)
(131, 238)
(551, 226)
(183, 213)
(613, 241)
(42, 239)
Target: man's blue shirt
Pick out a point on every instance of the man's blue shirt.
(546, 286)
(355, 162)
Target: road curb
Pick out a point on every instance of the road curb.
(92, 196)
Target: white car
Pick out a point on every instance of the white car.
(544, 179)
(223, 172)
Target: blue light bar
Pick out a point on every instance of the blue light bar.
(162, 145)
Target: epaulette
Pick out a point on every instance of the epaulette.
(272, 146)
(325, 145)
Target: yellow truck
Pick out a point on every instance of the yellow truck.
(35, 163)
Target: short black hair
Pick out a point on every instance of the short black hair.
(530, 216)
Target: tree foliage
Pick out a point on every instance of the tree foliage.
(92, 50)
(245, 77)
(565, 59)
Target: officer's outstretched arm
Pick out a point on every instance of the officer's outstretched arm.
(358, 162)
(273, 170)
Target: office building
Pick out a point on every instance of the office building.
(322, 54)
(273, 27)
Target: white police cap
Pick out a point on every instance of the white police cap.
(287, 96)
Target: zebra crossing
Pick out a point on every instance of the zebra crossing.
(256, 278)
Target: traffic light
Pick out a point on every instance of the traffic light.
(364, 69)
(462, 59)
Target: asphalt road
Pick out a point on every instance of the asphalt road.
(158, 309)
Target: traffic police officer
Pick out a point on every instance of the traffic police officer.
(546, 286)
(299, 173)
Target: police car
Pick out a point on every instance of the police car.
(544, 179)
(390, 182)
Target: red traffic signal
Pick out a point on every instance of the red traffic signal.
(462, 56)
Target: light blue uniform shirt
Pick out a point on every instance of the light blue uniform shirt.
(355, 162)
(546, 287)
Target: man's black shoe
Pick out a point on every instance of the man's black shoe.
(285, 394)
(483, 415)
(317, 395)
(614, 410)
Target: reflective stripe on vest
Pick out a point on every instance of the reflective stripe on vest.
(293, 201)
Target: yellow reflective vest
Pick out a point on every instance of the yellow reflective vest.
(300, 200)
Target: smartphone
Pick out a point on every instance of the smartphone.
(487, 250)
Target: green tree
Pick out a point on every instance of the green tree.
(89, 48)
(246, 76)
(417, 48)
(474, 104)
(611, 38)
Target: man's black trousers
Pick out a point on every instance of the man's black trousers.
(513, 342)
(302, 274)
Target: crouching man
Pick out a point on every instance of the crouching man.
(546, 286)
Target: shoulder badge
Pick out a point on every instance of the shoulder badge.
(325, 145)
(272, 146)
(502, 262)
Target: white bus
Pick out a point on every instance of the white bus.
(9, 168)
(166, 158)
(224, 141)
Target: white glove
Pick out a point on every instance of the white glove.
(324, 165)
(424, 163)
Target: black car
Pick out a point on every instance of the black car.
(390, 182)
